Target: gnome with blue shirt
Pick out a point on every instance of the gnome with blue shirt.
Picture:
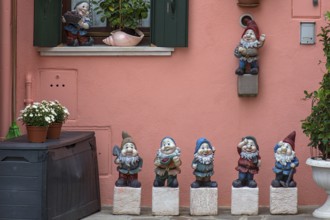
(285, 162)
(203, 164)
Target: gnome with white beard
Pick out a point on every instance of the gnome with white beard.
(285, 162)
(248, 163)
(167, 163)
(203, 164)
(129, 162)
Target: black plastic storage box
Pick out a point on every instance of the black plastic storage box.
(57, 179)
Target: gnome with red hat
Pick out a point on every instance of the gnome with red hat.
(129, 162)
(285, 162)
(247, 50)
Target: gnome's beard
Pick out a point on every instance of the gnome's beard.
(247, 44)
(249, 155)
(128, 160)
(284, 159)
(161, 155)
(204, 159)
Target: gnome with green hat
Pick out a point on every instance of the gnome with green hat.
(129, 162)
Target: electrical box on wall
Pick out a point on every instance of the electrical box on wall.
(307, 32)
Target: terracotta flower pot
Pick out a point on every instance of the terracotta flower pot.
(122, 39)
(248, 3)
(54, 131)
(37, 134)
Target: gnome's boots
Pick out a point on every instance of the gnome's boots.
(159, 181)
(252, 184)
(172, 181)
(122, 180)
(237, 183)
(133, 181)
(211, 184)
(71, 39)
(196, 184)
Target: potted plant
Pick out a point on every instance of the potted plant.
(37, 117)
(123, 17)
(317, 126)
(61, 114)
(248, 3)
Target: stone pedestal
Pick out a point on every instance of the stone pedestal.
(203, 201)
(127, 200)
(283, 200)
(247, 85)
(165, 201)
(244, 201)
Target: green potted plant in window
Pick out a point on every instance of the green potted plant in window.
(317, 127)
(123, 17)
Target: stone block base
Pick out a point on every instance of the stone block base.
(244, 201)
(203, 201)
(127, 200)
(283, 200)
(247, 85)
(165, 201)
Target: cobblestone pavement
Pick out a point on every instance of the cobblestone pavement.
(304, 213)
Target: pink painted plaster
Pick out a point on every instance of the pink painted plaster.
(186, 96)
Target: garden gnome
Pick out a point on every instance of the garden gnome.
(248, 163)
(203, 164)
(77, 23)
(129, 162)
(247, 50)
(167, 163)
(285, 162)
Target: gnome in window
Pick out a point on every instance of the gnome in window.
(203, 164)
(129, 162)
(167, 163)
(77, 23)
(248, 163)
(247, 50)
(285, 162)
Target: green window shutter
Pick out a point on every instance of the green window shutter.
(47, 23)
(169, 23)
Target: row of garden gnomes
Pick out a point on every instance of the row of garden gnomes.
(167, 163)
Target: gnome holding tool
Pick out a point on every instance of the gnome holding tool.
(129, 162)
(285, 162)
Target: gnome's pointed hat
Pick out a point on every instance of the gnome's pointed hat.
(126, 139)
(290, 139)
(251, 24)
(200, 141)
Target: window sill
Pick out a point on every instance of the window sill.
(104, 50)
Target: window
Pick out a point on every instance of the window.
(168, 23)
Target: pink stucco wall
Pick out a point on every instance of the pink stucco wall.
(190, 94)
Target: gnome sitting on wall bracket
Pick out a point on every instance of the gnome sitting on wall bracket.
(285, 162)
(167, 163)
(129, 162)
(203, 164)
(248, 163)
(247, 50)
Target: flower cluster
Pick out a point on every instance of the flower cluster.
(43, 113)
(60, 112)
